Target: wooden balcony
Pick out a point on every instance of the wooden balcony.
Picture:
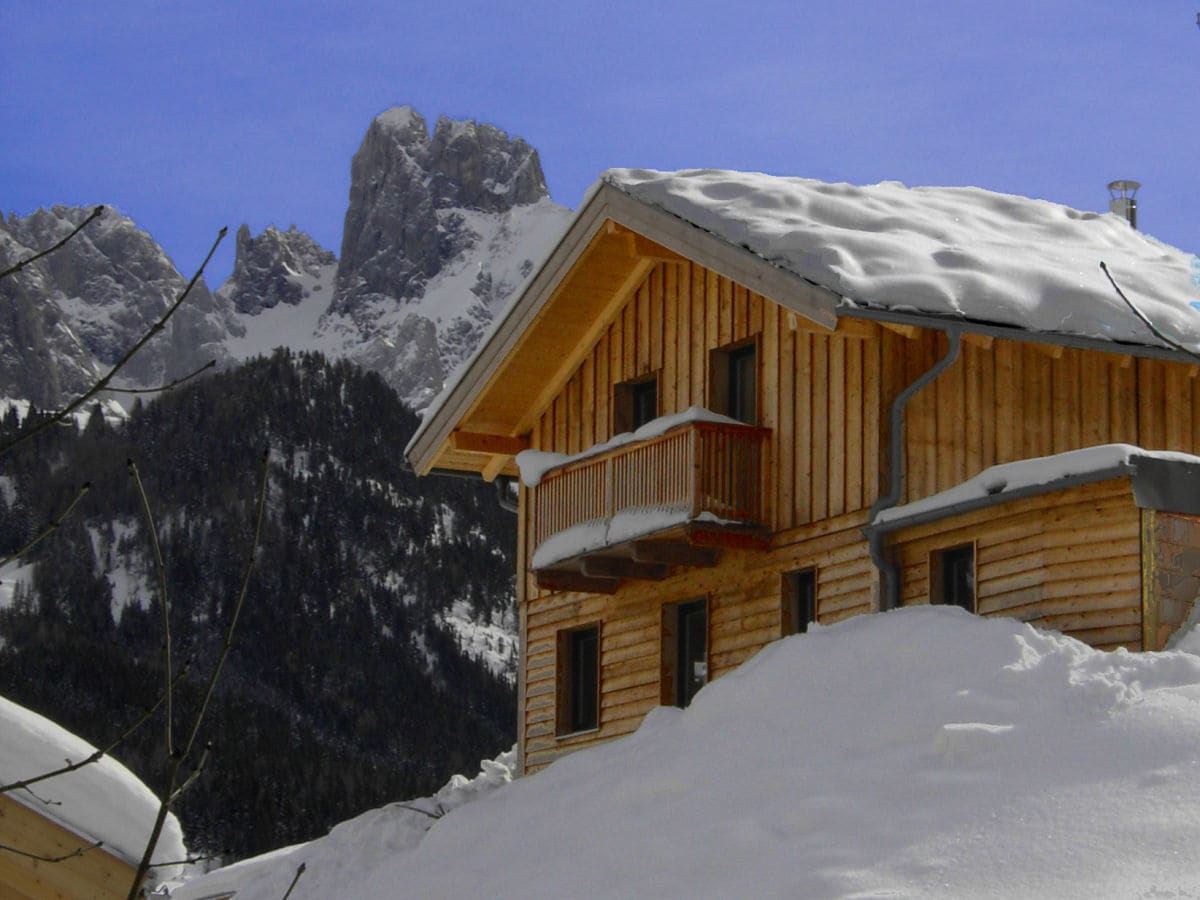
(637, 511)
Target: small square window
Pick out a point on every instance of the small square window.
(733, 387)
(578, 680)
(634, 404)
(952, 576)
(799, 601)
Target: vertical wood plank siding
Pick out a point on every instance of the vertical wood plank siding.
(825, 397)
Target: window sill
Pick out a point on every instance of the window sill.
(573, 735)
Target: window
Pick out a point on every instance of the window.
(952, 577)
(799, 601)
(578, 680)
(733, 390)
(634, 404)
(685, 651)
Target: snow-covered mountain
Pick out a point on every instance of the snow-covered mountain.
(440, 231)
(68, 318)
(923, 752)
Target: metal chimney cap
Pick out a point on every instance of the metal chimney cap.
(1122, 186)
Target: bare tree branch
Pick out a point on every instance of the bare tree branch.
(299, 871)
(52, 859)
(177, 759)
(99, 754)
(1154, 329)
(170, 386)
(102, 384)
(164, 602)
(191, 779)
(51, 526)
(12, 270)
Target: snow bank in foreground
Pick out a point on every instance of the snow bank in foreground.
(102, 801)
(941, 250)
(360, 845)
(919, 753)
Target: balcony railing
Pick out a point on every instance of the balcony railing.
(697, 472)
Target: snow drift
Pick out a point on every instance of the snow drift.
(918, 753)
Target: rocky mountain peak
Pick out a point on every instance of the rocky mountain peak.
(403, 183)
(71, 315)
(270, 269)
(478, 166)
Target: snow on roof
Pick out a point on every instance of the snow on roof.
(948, 251)
(102, 801)
(1026, 476)
(924, 752)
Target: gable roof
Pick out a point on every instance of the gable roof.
(962, 252)
(989, 262)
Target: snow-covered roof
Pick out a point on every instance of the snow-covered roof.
(102, 801)
(944, 251)
(996, 263)
(1169, 480)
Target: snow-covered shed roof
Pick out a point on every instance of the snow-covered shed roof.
(994, 263)
(102, 801)
(1160, 479)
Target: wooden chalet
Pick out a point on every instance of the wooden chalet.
(748, 442)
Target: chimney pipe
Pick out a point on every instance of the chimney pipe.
(1123, 200)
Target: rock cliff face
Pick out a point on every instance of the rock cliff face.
(68, 318)
(441, 230)
(405, 190)
(270, 269)
(439, 233)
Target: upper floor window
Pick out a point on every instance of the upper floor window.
(734, 382)
(634, 404)
(952, 576)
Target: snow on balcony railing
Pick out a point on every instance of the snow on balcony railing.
(693, 466)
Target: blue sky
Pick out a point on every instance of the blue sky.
(188, 117)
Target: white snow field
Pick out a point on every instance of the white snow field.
(919, 753)
(102, 801)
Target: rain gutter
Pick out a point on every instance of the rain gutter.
(889, 576)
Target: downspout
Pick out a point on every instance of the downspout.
(889, 576)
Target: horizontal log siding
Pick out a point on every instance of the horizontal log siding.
(1013, 401)
(1067, 560)
(745, 606)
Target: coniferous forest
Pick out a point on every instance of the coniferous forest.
(345, 689)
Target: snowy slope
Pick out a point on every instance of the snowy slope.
(385, 334)
(954, 251)
(102, 801)
(918, 753)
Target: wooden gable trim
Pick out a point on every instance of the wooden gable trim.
(463, 397)
(662, 236)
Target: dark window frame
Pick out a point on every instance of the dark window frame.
(952, 577)
(799, 600)
(727, 392)
(578, 680)
(628, 408)
(679, 686)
